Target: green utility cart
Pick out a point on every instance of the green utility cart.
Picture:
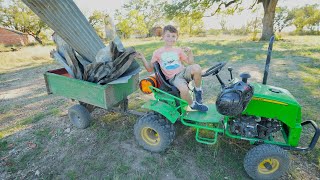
(90, 95)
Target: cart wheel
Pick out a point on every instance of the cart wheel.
(154, 133)
(266, 161)
(79, 116)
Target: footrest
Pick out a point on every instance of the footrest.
(206, 140)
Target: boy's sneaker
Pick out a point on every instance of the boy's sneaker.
(198, 95)
(199, 107)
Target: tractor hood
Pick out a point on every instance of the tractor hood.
(273, 102)
(273, 95)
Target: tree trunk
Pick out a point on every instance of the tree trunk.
(269, 7)
(37, 38)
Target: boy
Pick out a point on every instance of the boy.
(170, 59)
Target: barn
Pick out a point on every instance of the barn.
(13, 37)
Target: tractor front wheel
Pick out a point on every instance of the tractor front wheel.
(153, 132)
(266, 161)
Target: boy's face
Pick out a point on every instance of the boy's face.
(170, 38)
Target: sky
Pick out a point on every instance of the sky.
(235, 21)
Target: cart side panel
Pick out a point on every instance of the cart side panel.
(115, 93)
(84, 91)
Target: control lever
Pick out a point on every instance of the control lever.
(230, 70)
(245, 77)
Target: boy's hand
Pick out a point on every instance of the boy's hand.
(187, 50)
(139, 55)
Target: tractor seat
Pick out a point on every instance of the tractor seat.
(164, 83)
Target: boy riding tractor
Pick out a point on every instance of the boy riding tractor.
(253, 112)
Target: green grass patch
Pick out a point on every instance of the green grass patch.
(21, 124)
(43, 133)
(72, 175)
(33, 119)
(4, 109)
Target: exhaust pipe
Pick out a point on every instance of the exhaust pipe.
(266, 68)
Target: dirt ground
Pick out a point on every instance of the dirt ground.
(44, 145)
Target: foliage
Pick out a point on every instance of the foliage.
(96, 19)
(19, 17)
(190, 24)
(147, 12)
(283, 18)
(254, 26)
(211, 7)
(307, 16)
(131, 24)
(198, 6)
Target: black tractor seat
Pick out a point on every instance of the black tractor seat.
(163, 82)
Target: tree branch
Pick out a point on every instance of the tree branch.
(255, 2)
(225, 6)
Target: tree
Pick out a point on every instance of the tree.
(307, 16)
(254, 26)
(269, 7)
(150, 10)
(223, 23)
(191, 24)
(283, 18)
(215, 6)
(1, 12)
(131, 24)
(19, 17)
(96, 19)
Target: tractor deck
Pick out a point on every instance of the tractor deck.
(211, 116)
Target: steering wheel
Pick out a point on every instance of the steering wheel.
(214, 69)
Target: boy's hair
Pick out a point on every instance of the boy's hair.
(170, 28)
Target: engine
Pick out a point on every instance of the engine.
(234, 99)
(253, 127)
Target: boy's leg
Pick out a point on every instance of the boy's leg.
(196, 72)
(181, 82)
(182, 86)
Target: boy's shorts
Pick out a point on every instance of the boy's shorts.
(183, 77)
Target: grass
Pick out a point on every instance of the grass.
(26, 57)
(25, 122)
(107, 149)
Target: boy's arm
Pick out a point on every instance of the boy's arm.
(146, 64)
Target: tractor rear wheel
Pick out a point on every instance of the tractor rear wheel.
(266, 161)
(153, 132)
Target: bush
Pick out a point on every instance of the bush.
(278, 36)
(214, 32)
(304, 33)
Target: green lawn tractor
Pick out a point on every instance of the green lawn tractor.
(248, 111)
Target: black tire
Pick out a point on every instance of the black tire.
(266, 161)
(153, 132)
(79, 116)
